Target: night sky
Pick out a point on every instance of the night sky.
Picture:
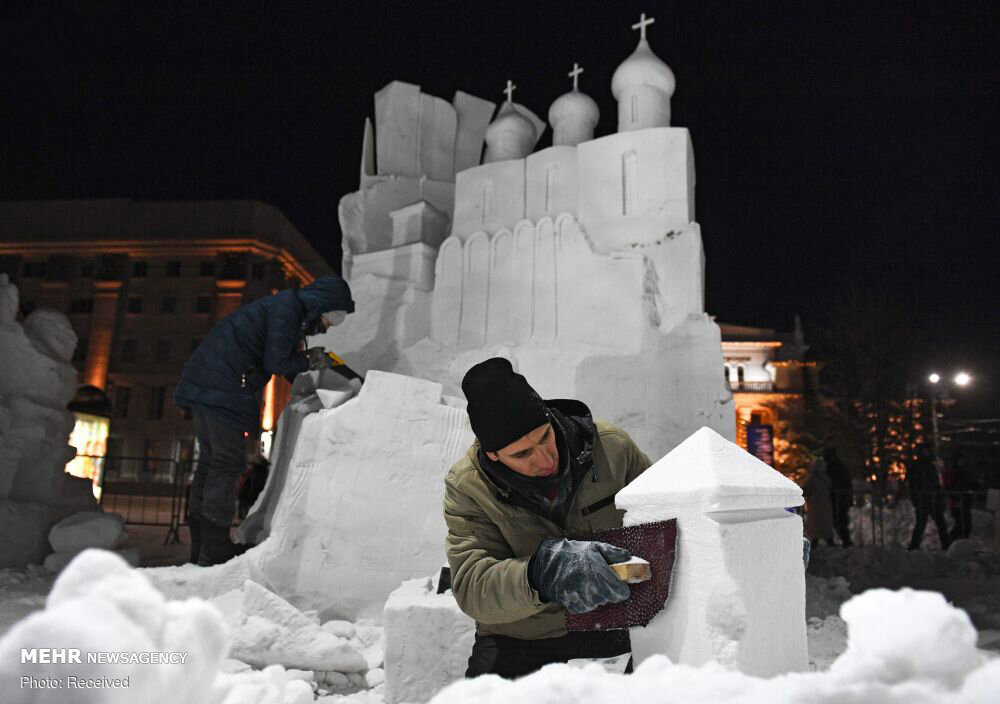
(836, 143)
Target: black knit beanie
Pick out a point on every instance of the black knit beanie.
(502, 405)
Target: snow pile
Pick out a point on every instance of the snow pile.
(36, 382)
(267, 630)
(87, 529)
(100, 605)
(874, 565)
(904, 646)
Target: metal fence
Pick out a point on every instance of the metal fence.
(147, 491)
(887, 518)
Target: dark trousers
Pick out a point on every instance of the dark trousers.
(842, 516)
(961, 513)
(221, 461)
(514, 657)
(929, 505)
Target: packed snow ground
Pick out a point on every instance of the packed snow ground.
(889, 646)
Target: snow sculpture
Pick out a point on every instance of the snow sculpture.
(428, 641)
(36, 382)
(360, 511)
(580, 262)
(738, 590)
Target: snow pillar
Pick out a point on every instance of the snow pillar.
(737, 594)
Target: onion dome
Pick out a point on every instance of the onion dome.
(643, 68)
(510, 136)
(573, 113)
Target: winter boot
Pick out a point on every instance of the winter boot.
(216, 547)
(194, 529)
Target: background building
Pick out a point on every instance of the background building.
(768, 375)
(142, 283)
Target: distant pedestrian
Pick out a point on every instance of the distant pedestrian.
(842, 490)
(928, 500)
(819, 505)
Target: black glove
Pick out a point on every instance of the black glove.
(318, 359)
(575, 573)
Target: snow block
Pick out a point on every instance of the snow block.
(428, 642)
(738, 591)
(360, 511)
(88, 529)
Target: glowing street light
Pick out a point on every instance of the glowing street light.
(960, 379)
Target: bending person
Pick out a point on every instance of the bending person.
(221, 385)
(537, 472)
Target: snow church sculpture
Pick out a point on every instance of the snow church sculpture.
(582, 262)
(36, 382)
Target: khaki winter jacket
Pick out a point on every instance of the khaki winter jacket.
(490, 541)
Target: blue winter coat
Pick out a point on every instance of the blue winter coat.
(260, 339)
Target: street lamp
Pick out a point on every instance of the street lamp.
(960, 379)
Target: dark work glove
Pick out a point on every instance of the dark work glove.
(575, 573)
(318, 358)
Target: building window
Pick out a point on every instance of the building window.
(168, 304)
(128, 350)
(234, 266)
(258, 270)
(34, 270)
(139, 269)
(87, 270)
(634, 105)
(123, 394)
(628, 182)
(207, 269)
(203, 304)
(60, 267)
(134, 304)
(80, 351)
(740, 373)
(156, 396)
(161, 353)
(81, 305)
(173, 268)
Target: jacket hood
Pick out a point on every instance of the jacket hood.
(324, 294)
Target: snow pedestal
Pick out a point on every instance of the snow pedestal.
(428, 642)
(738, 587)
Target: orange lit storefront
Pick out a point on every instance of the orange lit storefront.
(767, 375)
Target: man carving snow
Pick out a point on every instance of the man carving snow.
(538, 472)
(221, 385)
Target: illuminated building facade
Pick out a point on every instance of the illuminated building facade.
(768, 375)
(142, 283)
